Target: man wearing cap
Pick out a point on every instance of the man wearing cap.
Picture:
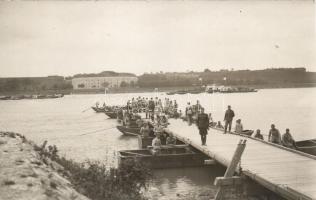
(274, 135)
(258, 135)
(202, 123)
(229, 115)
(151, 107)
(287, 140)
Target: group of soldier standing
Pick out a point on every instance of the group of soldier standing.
(195, 113)
(203, 122)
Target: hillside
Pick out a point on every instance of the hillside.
(268, 77)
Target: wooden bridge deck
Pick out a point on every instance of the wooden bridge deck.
(289, 174)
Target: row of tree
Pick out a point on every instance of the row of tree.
(223, 77)
(33, 84)
(226, 77)
(281, 76)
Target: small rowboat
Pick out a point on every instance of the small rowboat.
(181, 92)
(244, 132)
(98, 110)
(5, 97)
(247, 132)
(27, 96)
(16, 97)
(169, 157)
(170, 93)
(307, 146)
(59, 95)
(54, 96)
(111, 114)
(41, 96)
(144, 142)
(195, 91)
(129, 131)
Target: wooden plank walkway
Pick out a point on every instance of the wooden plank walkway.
(289, 174)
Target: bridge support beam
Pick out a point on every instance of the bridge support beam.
(230, 181)
(231, 187)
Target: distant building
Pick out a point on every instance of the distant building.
(102, 82)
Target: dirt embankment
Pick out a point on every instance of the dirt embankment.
(24, 175)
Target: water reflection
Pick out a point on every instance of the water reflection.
(62, 122)
(194, 183)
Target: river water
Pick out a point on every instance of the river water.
(75, 129)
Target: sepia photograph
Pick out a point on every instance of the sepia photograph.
(158, 100)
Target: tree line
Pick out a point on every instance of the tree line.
(34, 84)
(281, 76)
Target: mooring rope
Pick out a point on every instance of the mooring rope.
(96, 131)
(88, 133)
(86, 109)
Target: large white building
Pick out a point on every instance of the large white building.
(101, 82)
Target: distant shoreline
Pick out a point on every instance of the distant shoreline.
(148, 89)
(42, 92)
(169, 89)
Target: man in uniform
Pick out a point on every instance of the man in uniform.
(202, 123)
(287, 140)
(258, 135)
(274, 135)
(151, 108)
(229, 115)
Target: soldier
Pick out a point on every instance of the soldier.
(258, 135)
(274, 135)
(229, 115)
(287, 140)
(202, 123)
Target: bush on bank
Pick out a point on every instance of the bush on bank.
(96, 181)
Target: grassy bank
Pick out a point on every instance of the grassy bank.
(99, 182)
(29, 170)
(24, 175)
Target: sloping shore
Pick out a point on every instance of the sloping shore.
(24, 175)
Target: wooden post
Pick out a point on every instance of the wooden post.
(232, 166)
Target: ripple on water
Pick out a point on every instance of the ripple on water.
(62, 122)
(185, 183)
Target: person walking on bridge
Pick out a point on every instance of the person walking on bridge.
(229, 116)
(202, 123)
(189, 113)
(151, 108)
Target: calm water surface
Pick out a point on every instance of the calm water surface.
(77, 134)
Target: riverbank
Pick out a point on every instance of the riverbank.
(38, 92)
(147, 89)
(171, 89)
(29, 171)
(24, 175)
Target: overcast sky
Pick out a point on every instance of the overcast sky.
(65, 38)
